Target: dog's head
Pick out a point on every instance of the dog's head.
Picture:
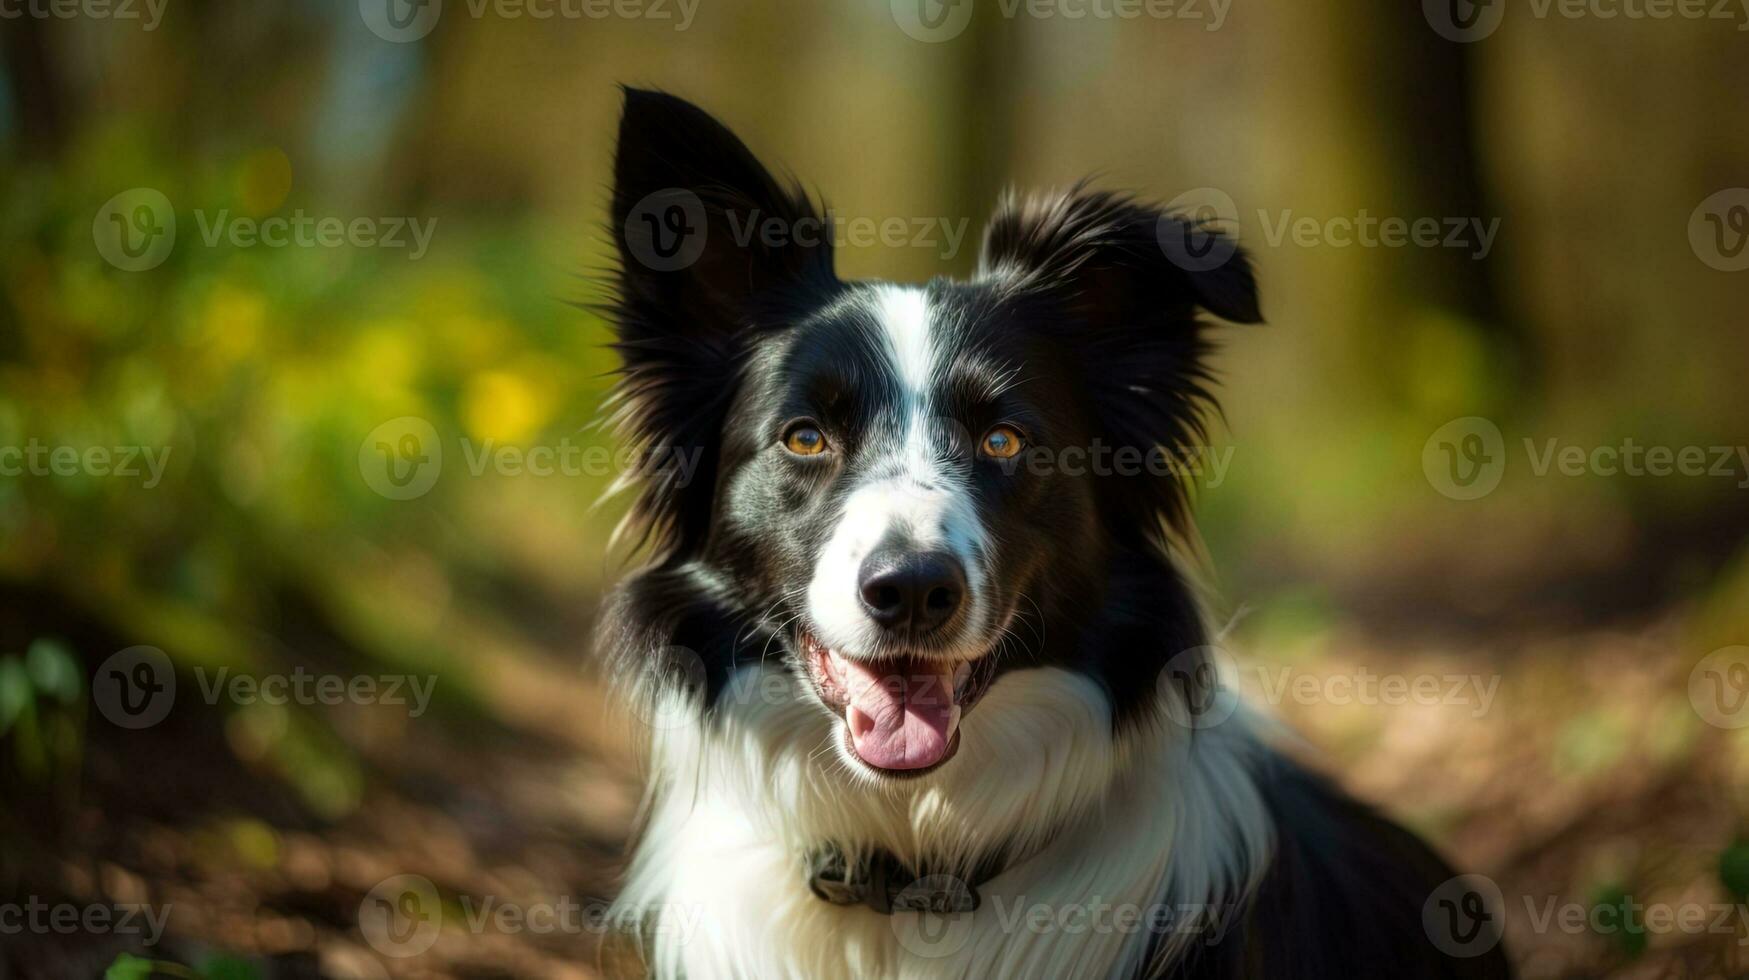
(905, 492)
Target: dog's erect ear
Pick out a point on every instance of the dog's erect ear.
(1126, 281)
(710, 244)
(1132, 263)
(700, 223)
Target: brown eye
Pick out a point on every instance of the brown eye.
(1002, 442)
(804, 439)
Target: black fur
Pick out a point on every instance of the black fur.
(717, 353)
(1083, 331)
(1343, 898)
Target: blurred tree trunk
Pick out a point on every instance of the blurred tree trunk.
(40, 95)
(984, 100)
(1422, 107)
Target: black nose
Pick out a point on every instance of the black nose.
(915, 591)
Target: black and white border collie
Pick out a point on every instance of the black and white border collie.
(929, 695)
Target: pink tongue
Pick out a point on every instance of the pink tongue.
(901, 713)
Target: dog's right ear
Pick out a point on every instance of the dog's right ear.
(699, 221)
(708, 240)
(1129, 279)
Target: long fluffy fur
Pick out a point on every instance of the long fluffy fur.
(1083, 765)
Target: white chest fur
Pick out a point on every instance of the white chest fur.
(1126, 844)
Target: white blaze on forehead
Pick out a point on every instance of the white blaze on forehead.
(904, 315)
(907, 492)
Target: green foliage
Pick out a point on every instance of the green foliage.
(1734, 870)
(54, 671)
(15, 692)
(217, 967)
(228, 968)
(42, 710)
(129, 967)
(1614, 915)
(254, 375)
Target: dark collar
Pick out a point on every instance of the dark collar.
(886, 884)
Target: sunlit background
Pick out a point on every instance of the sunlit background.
(1583, 620)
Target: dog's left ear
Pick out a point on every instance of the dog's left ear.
(1128, 262)
(694, 214)
(1125, 281)
(710, 245)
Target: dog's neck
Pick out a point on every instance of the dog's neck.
(878, 879)
(1153, 818)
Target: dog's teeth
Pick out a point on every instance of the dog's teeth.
(960, 675)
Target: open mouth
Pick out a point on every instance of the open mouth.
(901, 714)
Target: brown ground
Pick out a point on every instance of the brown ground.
(1590, 768)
